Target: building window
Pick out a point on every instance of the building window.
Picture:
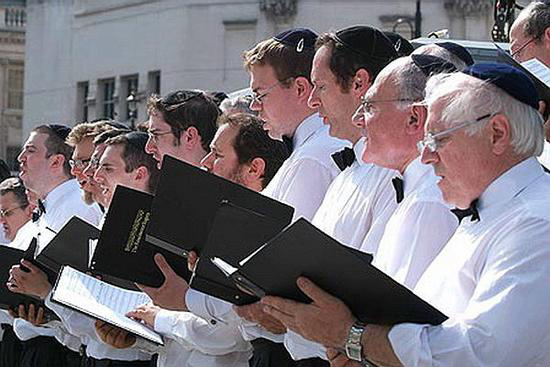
(130, 85)
(154, 82)
(15, 89)
(11, 157)
(107, 87)
(83, 90)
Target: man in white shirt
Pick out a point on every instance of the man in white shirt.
(45, 169)
(361, 197)
(530, 38)
(482, 136)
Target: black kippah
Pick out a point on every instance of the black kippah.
(402, 46)
(137, 139)
(61, 131)
(459, 51)
(368, 42)
(299, 38)
(508, 78)
(431, 65)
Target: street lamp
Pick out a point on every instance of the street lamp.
(131, 102)
(418, 20)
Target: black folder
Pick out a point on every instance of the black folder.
(303, 250)
(236, 232)
(9, 257)
(122, 250)
(70, 246)
(186, 201)
(542, 88)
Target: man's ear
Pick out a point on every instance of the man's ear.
(361, 83)
(500, 133)
(141, 174)
(416, 120)
(302, 87)
(256, 168)
(190, 137)
(57, 160)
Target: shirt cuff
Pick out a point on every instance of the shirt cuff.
(406, 342)
(165, 321)
(209, 308)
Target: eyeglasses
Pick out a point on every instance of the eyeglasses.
(154, 135)
(7, 212)
(433, 142)
(258, 97)
(366, 105)
(79, 163)
(522, 47)
(177, 99)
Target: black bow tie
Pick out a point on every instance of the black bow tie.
(344, 158)
(398, 186)
(288, 143)
(471, 211)
(40, 209)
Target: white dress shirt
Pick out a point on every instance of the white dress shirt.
(492, 280)
(359, 197)
(418, 229)
(193, 342)
(305, 176)
(544, 158)
(61, 204)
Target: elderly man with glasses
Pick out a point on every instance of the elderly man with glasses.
(491, 279)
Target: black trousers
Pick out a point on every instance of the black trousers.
(312, 362)
(92, 362)
(10, 348)
(44, 351)
(269, 354)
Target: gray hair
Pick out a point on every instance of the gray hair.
(240, 104)
(409, 80)
(537, 19)
(437, 51)
(469, 98)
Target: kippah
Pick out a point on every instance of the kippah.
(367, 41)
(299, 38)
(402, 46)
(137, 138)
(61, 131)
(431, 65)
(459, 51)
(508, 78)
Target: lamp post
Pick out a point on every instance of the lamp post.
(131, 102)
(418, 20)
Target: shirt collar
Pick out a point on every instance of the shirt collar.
(510, 183)
(58, 192)
(413, 174)
(358, 149)
(306, 129)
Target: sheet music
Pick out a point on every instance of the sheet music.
(102, 301)
(538, 69)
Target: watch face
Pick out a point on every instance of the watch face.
(353, 351)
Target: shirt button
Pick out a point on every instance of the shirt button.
(213, 322)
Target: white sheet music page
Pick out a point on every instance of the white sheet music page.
(102, 301)
(538, 69)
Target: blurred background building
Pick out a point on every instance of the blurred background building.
(89, 59)
(12, 58)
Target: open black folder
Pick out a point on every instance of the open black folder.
(303, 250)
(70, 246)
(186, 201)
(236, 232)
(8, 257)
(122, 250)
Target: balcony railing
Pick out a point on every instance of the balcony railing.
(14, 17)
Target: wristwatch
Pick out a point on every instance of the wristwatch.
(353, 346)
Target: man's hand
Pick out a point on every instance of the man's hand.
(338, 359)
(146, 314)
(35, 317)
(255, 313)
(114, 336)
(192, 259)
(34, 282)
(171, 294)
(326, 320)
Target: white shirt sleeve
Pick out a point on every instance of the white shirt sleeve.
(505, 322)
(195, 333)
